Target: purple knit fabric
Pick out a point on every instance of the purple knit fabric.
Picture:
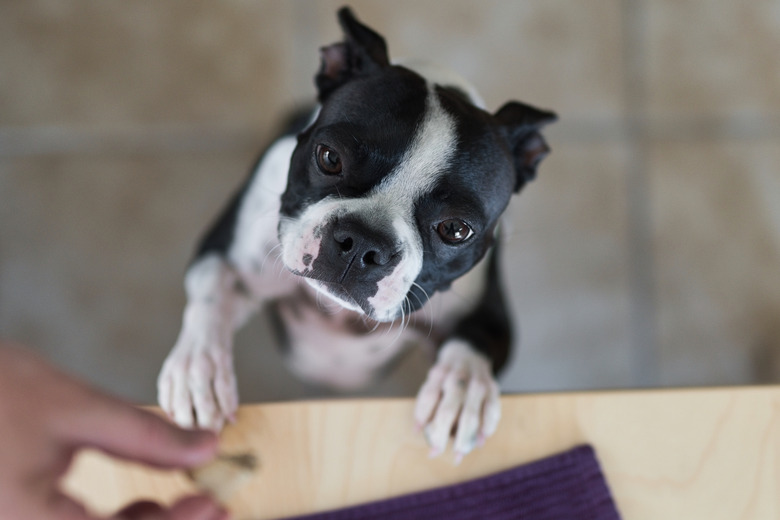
(568, 486)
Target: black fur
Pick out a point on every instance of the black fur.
(221, 234)
(521, 125)
(363, 51)
(488, 328)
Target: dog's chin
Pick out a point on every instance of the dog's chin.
(337, 294)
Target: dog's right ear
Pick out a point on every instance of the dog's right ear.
(521, 124)
(363, 51)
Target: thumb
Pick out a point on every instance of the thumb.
(131, 433)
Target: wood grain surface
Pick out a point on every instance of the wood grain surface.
(667, 454)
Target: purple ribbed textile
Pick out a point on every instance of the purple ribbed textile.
(568, 486)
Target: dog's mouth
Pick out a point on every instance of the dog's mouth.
(337, 293)
(341, 295)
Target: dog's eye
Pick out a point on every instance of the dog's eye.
(328, 160)
(454, 230)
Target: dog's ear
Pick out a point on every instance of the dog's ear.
(521, 125)
(363, 51)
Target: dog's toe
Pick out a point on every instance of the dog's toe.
(226, 391)
(470, 421)
(453, 394)
(458, 395)
(173, 391)
(205, 408)
(429, 394)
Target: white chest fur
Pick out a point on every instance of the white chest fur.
(339, 348)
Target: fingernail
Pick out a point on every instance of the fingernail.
(481, 440)
(435, 452)
(459, 457)
(418, 427)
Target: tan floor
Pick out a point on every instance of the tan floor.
(646, 253)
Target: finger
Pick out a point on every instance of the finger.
(198, 507)
(491, 414)
(438, 432)
(131, 433)
(470, 418)
(62, 507)
(429, 394)
(203, 399)
(144, 510)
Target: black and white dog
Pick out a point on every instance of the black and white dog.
(387, 200)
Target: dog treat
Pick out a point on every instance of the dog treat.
(225, 475)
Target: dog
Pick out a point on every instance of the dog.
(385, 205)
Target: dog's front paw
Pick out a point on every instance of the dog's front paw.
(197, 384)
(459, 392)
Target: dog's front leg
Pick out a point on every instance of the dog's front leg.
(461, 392)
(197, 383)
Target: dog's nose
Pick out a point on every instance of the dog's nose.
(361, 246)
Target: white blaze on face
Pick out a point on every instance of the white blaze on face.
(392, 201)
(423, 163)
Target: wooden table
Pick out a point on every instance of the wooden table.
(667, 454)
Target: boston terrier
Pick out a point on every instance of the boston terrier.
(370, 227)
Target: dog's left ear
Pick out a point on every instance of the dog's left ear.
(363, 51)
(521, 125)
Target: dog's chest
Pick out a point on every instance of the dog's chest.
(336, 347)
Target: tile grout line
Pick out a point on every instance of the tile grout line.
(643, 319)
(140, 140)
(154, 139)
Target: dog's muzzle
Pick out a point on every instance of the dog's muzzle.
(353, 259)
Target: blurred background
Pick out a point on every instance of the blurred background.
(646, 253)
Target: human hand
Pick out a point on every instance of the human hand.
(46, 417)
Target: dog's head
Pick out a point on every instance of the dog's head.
(396, 188)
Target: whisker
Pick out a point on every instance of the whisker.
(424, 305)
(376, 326)
(401, 328)
(274, 250)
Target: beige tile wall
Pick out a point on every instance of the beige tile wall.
(646, 253)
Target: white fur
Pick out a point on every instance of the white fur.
(459, 391)
(254, 251)
(323, 352)
(298, 236)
